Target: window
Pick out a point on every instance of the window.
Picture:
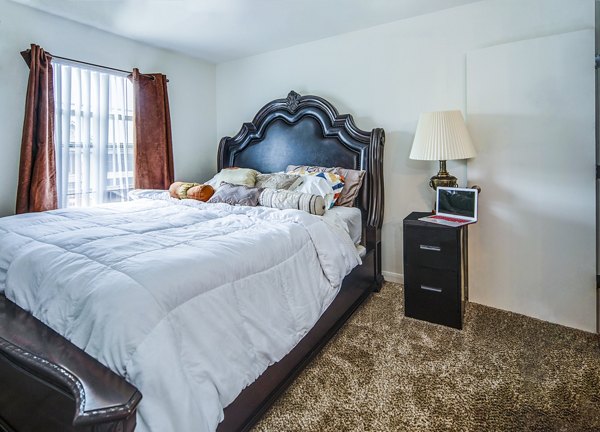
(94, 135)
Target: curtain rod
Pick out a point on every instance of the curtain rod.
(91, 64)
(25, 54)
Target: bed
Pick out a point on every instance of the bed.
(67, 389)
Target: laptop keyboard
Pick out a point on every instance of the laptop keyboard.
(449, 219)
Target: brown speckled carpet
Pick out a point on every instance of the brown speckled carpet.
(502, 372)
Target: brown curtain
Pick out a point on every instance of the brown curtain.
(153, 145)
(36, 190)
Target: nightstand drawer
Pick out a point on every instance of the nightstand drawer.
(435, 248)
(434, 296)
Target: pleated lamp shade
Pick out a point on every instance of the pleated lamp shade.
(442, 135)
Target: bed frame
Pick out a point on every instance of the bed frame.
(46, 383)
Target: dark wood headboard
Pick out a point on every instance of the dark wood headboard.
(308, 130)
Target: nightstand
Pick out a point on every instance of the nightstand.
(435, 271)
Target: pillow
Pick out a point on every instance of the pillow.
(285, 199)
(353, 180)
(275, 180)
(185, 190)
(201, 192)
(235, 176)
(314, 185)
(236, 195)
(179, 189)
(155, 194)
(335, 181)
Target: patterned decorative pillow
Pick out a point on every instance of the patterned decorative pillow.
(353, 180)
(236, 176)
(285, 199)
(275, 180)
(236, 195)
(336, 181)
(315, 185)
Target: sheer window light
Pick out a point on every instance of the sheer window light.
(94, 135)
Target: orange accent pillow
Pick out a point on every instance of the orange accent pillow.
(179, 189)
(201, 192)
(186, 190)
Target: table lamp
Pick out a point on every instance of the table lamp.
(442, 136)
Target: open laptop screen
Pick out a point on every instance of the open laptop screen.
(457, 202)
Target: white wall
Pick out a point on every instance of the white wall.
(385, 76)
(191, 87)
(531, 110)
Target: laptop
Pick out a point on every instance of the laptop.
(454, 207)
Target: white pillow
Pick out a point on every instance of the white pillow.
(315, 186)
(155, 194)
(235, 176)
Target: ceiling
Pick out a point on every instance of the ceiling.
(221, 30)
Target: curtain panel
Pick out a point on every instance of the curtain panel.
(153, 144)
(36, 190)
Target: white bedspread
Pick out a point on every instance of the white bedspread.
(190, 302)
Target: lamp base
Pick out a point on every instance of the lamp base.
(443, 178)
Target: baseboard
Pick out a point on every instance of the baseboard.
(393, 277)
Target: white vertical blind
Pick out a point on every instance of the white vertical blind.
(94, 135)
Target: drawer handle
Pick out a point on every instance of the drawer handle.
(428, 288)
(430, 248)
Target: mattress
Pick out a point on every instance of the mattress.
(188, 301)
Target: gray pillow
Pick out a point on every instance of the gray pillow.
(236, 195)
(283, 199)
(275, 180)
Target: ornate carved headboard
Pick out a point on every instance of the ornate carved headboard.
(308, 130)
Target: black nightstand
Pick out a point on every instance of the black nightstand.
(435, 271)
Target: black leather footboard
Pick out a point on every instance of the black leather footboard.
(48, 384)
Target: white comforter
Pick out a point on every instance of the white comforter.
(190, 302)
